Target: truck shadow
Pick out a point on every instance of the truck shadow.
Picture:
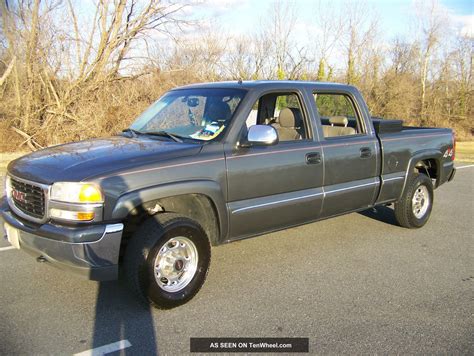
(118, 316)
(118, 313)
(381, 213)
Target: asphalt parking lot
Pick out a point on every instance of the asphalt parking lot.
(353, 284)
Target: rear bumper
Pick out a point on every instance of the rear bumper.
(451, 176)
(447, 173)
(91, 253)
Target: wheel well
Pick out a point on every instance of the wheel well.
(198, 207)
(429, 167)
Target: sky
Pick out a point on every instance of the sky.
(238, 16)
(232, 18)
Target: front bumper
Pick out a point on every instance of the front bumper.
(90, 251)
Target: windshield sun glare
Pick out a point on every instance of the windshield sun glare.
(199, 114)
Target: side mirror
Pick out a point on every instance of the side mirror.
(261, 135)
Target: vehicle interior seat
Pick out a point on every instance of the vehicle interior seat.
(218, 111)
(338, 127)
(290, 125)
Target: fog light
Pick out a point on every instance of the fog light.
(72, 215)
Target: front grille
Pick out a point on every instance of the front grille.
(28, 198)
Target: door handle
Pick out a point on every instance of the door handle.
(365, 152)
(313, 158)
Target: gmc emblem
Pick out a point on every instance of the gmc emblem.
(19, 196)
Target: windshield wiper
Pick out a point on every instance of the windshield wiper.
(163, 133)
(134, 133)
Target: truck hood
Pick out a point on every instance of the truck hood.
(82, 160)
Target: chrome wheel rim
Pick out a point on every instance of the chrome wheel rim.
(176, 264)
(420, 201)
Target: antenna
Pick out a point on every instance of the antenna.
(240, 81)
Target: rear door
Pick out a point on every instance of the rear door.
(270, 187)
(351, 153)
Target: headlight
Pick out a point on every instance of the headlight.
(70, 192)
(71, 201)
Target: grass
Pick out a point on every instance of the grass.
(465, 151)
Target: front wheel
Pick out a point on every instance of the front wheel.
(167, 260)
(414, 207)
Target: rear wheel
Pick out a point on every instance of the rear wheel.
(414, 207)
(167, 260)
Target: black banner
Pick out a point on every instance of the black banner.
(249, 344)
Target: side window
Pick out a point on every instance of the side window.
(252, 118)
(284, 112)
(338, 115)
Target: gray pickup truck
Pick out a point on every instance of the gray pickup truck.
(212, 163)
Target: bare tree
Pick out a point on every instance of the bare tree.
(359, 30)
(66, 74)
(288, 56)
(330, 27)
(88, 55)
(463, 58)
(429, 22)
(202, 55)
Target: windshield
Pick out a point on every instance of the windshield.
(200, 114)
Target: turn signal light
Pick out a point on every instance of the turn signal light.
(85, 216)
(90, 194)
(72, 215)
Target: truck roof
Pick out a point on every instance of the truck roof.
(265, 84)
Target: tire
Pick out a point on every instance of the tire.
(180, 248)
(414, 207)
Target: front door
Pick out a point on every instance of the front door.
(271, 187)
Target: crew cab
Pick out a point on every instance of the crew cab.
(213, 163)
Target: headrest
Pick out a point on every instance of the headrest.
(290, 117)
(338, 121)
(219, 111)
